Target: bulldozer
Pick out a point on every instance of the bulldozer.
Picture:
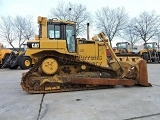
(150, 53)
(66, 63)
(4, 54)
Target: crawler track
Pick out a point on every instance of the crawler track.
(69, 84)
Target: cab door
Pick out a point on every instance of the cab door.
(70, 38)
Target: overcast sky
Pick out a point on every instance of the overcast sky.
(43, 7)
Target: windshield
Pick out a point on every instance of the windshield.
(122, 45)
(149, 45)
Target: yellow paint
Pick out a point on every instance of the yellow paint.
(49, 66)
(3, 52)
(27, 63)
(92, 51)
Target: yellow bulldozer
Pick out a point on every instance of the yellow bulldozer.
(150, 53)
(4, 54)
(66, 63)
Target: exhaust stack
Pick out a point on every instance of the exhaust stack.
(87, 31)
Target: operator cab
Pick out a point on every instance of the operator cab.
(60, 30)
(151, 45)
(122, 45)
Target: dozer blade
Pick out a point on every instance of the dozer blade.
(143, 74)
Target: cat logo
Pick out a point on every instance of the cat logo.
(35, 45)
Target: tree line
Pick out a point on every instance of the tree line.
(112, 21)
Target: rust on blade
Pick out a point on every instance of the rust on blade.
(103, 81)
(143, 74)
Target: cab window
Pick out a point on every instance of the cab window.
(53, 31)
(70, 37)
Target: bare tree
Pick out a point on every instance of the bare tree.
(147, 25)
(111, 21)
(129, 34)
(73, 12)
(24, 29)
(7, 30)
(18, 29)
